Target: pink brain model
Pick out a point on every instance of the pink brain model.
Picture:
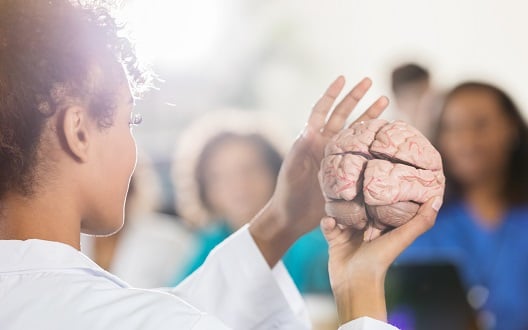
(376, 174)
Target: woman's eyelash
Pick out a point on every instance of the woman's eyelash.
(135, 119)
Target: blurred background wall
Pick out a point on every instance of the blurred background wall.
(278, 56)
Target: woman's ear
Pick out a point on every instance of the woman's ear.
(75, 125)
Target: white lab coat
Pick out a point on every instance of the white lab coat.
(49, 285)
(151, 249)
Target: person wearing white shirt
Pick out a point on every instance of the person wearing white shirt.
(66, 157)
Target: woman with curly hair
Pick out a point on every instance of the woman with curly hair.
(66, 157)
(482, 227)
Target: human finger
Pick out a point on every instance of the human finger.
(332, 232)
(400, 238)
(374, 111)
(320, 110)
(338, 118)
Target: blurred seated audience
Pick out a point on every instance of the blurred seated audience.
(483, 225)
(225, 172)
(151, 246)
(415, 98)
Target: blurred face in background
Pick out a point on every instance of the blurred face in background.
(476, 137)
(238, 181)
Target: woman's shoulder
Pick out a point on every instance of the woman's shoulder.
(519, 216)
(216, 228)
(313, 240)
(454, 221)
(520, 211)
(213, 234)
(452, 210)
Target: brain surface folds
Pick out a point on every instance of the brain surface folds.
(376, 174)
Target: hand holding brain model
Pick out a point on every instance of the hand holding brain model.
(376, 174)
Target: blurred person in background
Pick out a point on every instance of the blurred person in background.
(416, 101)
(232, 166)
(151, 246)
(483, 226)
(235, 175)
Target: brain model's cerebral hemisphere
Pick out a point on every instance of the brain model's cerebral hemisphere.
(376, 174)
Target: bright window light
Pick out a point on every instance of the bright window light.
(177, 33)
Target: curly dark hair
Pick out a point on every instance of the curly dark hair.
(53, 53)
(516, 189)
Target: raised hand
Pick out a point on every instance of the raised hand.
(297, 204)
(298, 193)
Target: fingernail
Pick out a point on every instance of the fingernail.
(437, 204)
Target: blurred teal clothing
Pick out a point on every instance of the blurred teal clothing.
(207, 239)
(493, 258)
(306, 260)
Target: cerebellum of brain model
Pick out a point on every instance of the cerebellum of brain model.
(375, 175)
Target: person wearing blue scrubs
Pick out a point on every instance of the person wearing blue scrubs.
(483, 226)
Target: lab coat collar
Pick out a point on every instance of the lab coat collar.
(35, 255)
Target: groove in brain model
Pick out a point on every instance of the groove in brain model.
(376, 174)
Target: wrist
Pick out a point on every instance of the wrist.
(272, 233)
(361, 296)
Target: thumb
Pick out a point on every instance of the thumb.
(425, 218)
(331, 230)
(400, 238)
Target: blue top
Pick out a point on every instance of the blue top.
(306, 260)
(496, 259)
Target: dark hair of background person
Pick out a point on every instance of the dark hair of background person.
(270, 155)
(407, 74)
(54, 54)
(516, 188)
